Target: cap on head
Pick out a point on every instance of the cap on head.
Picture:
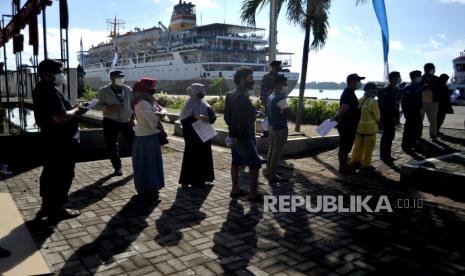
(276, 64)
(116, 74)
(144, 85)
(50, 66)
(354, 77)
(370, 86)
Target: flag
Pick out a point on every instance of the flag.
(380, 10)
(82, 53)
(115, 57)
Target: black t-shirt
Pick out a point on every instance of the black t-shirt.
(352, 116)
(48, 101)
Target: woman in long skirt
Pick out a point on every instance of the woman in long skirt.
(146, 151)
(197, 163)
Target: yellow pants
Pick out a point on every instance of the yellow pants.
(363, 149)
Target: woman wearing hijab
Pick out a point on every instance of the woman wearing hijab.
(197, 164)
(146, 151)
(445, 106)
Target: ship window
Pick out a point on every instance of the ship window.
(460, 67)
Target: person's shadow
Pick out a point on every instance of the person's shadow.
(185, 212)
(132, 217)
(41, 230)
(238, 231)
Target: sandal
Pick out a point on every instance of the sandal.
(238, 194)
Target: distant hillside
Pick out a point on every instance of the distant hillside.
(324, 85)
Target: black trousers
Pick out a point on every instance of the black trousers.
(412, 130)
(441, 117)
(57, 173)
(111, 129)
(389, 133)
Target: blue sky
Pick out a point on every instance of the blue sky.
(420, 31)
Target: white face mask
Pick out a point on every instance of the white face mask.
(418, 80)
(359, 85)
(119, 81)
(60, 79)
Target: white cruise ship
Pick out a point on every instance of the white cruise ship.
(183, 53)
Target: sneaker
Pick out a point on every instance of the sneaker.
(118, 172)
(4, 170)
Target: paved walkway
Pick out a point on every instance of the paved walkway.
(203, 232)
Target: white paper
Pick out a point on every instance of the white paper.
(204, 130)
(326, 127)
(264, 124)
(92, 104)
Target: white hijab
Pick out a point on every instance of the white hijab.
(195, 105)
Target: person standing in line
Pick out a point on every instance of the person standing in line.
(365, 140)
(267, 85)
(115, 99)
(348, 118)
(387, 100)
(197, 163)
(240, 116)
(445, 106)
(58, 123)
(147, 158)
(412, 105)
(430, 96)
(278, 113)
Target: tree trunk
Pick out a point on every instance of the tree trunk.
(303, 79)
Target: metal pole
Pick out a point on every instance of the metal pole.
(44, 29)
(67, 64)
(6, 67)
(273, 30)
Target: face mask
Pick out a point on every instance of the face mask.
(249, 85)
(201, 94)
(60, 79)
(358, 86)
(418, 80)
(119, 82)
(432, 71)
(398, 82)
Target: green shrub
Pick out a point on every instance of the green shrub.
(89, 94)
(315, 111)
(217, 104)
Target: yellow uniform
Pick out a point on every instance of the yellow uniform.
(365, 141)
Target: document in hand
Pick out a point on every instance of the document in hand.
(204, 130)
(326, 127)
(92, 104)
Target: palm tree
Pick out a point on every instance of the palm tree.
(312, 15)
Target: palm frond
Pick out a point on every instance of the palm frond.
(250, 8)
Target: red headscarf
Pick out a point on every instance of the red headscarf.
(141, 91)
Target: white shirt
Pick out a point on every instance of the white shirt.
(146, 120)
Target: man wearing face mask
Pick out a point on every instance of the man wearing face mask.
(115, 100)
(348, 118)
(389, 112)
(267, 84)
(58, 123)
(411, 105)
(240, 115)
(430, 96)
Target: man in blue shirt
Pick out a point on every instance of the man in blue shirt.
(278, 112)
